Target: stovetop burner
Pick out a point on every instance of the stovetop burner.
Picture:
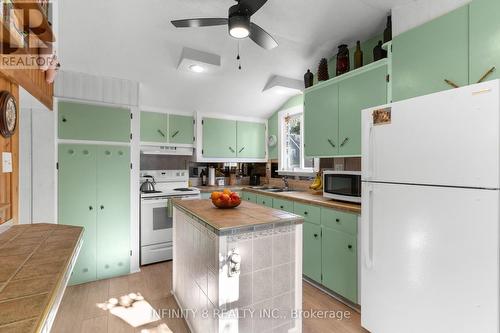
(182, 189)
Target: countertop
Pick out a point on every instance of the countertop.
(34, 260)
(312, 199)
(245, 215)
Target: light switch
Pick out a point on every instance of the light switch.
(6, 162)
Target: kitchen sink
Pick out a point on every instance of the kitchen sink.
(271, 189)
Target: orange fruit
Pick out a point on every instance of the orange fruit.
(227, 191)
(215, 195)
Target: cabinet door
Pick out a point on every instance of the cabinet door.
(312, 251)
(427, 55)
(272, 129)
(77, 203)
(284, 205)
(249, 196)
(113, 205)
(484, 34)
(219, 138)
(311, 214)
(77, 121)
(251, 140)
(181, 129)
(355, 94)
(154, 127)
(340, 263)
(321, 121)
(264, 200)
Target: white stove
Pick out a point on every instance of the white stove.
(157, 212)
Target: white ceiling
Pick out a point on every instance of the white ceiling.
(135, 40)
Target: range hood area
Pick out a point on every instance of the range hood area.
(167, 150)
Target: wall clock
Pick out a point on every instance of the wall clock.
(8, 114)
(272, 141)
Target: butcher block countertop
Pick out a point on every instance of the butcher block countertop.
(35, 260)
(311, 199)
(245, 215)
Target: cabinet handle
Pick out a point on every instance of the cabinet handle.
(337, 220)
(344, 142)
(281, 207)
(488, 73)
(102, 207)
(451, 83)
(231, 149)
(241, 149)
(64, 120)
(90, 207)
(305, 213)
(315, 235)
(161, 133)
(176, 132)
(349, 247)
(331, 143)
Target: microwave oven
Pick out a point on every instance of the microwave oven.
(342, 185)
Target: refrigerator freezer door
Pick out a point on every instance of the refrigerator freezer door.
(449, 138)
(430, 259)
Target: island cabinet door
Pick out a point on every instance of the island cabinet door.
(312, 251)
(154, 127)
(113, 211)
(321, 121)
(484, 43)
(340, 263)
(180, 129)
(77, 203)
(219, 138)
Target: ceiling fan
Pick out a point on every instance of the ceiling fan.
(238, 21)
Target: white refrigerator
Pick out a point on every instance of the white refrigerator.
(430, 214)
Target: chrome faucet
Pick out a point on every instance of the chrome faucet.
(285, 180)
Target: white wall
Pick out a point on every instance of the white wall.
(418, 12)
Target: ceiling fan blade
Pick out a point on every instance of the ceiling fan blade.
(261, 37)
(252, 6)
(199, 22)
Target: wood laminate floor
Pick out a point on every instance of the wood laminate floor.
(78, 312)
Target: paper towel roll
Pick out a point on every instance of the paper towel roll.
(211, 176)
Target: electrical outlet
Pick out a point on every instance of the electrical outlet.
(6, 162)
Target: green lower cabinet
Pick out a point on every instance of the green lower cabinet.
(311, 256)
(264, 200)
(219, 138)
(340, 263)
(77, 203)
(273, 129)
(311, 214)
(251, 140)
(113, 211)
(372, 86)
(338, 220)
(154, 127)
(281, 204)
(181, 129)
(423, 57)
(321, 121)
(79, 121)
(484, 40)
(251, 197)
(94, 192)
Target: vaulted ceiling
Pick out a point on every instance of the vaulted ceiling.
(135, 40)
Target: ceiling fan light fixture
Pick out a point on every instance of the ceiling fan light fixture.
(196, 68)
(239, 26)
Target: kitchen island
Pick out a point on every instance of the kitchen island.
(36, 261)
(237, 270)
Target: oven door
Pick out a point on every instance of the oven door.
(156, 221)
(342, 186)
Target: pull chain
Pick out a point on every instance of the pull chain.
(238, 58)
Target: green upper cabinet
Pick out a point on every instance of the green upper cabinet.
(154, 127)
(78, 121)
(77, 203)
(427, 55)
(355, 94)
(321, 116)
(113, 211)
(484, 39)
(251, 140)
(273, 129)
(181, 129)
(219, 138)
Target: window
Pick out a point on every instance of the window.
(291, 156)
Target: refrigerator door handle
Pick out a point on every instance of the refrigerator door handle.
(368, 151)
(368, 230)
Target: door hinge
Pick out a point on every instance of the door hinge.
(388, 78)
(131, 166)
(57, 166)
(203, 122)
(130, 136)
(202, 151)
(194, 121)
(131, 253)
(131, 115)
(321, 277)
(321, 233)
(194, 139)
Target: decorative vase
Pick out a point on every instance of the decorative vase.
(358, 56)
(308, 79)
(388, 30)
(343, 65)
(378, 52)
(323, 70)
